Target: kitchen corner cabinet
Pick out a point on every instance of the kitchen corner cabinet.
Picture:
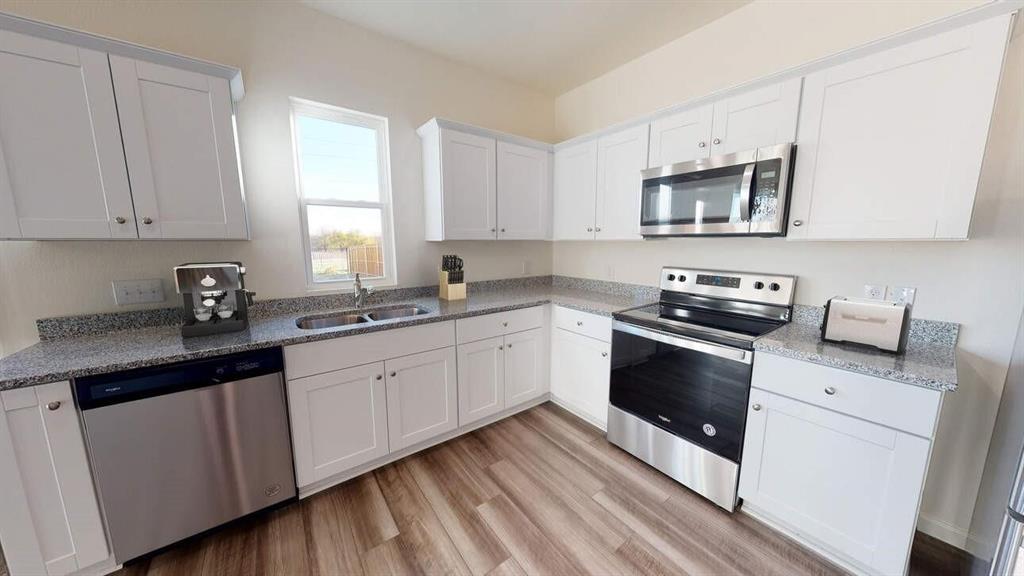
(157, 161)
(761, 117)
(575, 191)
(51, 520)
(891, 144)
(480, 187)
(620, 159)
(860, 509)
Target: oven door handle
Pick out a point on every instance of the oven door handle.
(734, 354)
(745, 190)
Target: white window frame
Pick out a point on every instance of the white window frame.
(300, 107)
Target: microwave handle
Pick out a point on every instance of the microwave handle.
(745, 189)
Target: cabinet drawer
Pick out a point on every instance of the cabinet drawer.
(894, 404)
(491, 325)
(312, 358)
(589, 325)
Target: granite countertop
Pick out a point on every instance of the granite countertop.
(52, 360)
(929, 361)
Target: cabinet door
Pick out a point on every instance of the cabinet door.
(51, 521)
(179, 142)
(850, 484)
(62, 170)
(338, 421)
(891, 144)
(580, 369)
(681, 137)
(620, 159)
(761, 117)
(524, 192)
(481, 379)
(526, 366)
(422, 397)
(575, 191)
(468, 185)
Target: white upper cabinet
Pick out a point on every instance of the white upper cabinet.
(62, 169)
(524, 192)
(746, 121)
(620, 159)
(681, 137)
(479, 186)
(575, 191)
(891, 145)
(180, 148)
(757, 118)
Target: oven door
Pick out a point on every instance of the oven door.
(692, 389)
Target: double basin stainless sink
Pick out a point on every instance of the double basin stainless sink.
(357, 317)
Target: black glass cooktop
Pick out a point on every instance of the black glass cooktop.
(723, 328)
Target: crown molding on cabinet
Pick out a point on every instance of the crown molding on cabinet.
(126, 49)
(434, 123)
(965, 18)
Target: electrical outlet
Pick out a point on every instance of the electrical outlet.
(902, 294)
(874, 291)
(127, 292)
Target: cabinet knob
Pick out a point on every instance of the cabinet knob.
(380, 376)
(604, 354)
(798, 223)
(501, 347)
(716, 141)
(579, 322)
(701, 144)
(147, 220)
(589, 229)
(756, 407)
(393, 374)
(502, 229)
(598, 229)
(120, 220)
(493, 230)
(53, 405)
(504, 324)
(509, 346)
(830, 390)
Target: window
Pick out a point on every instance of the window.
(344, 185)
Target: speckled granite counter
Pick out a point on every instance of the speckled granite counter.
(57, 359)
(930, 359)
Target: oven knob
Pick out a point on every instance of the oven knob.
(758, 285)
(682, 278)
(671, 277)
(774, 287)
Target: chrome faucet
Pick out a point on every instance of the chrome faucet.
(361, 293)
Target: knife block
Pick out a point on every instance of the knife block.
(447, 291)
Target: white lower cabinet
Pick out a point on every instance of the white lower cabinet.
(847, 486)
(580, 368)
(422, 397)
(339, 421)
(526, 366)
(49, 514)
(481, 379)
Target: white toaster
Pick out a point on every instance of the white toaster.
(877, 323)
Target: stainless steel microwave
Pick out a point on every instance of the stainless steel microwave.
(745, 193)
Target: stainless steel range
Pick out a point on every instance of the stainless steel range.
(681, 373)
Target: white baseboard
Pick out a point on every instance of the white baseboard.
(579, 412)
(948, 533)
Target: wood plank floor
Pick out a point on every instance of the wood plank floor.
(539, 493)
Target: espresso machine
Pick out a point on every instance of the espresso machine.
(213, 297)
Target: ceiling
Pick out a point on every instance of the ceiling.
(549, 45)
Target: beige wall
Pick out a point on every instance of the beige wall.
(977, 283)
(283, 50)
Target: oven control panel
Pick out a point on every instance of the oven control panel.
(756, 287)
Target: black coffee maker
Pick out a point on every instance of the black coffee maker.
(213, 297)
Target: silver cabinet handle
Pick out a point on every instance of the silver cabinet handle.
(504, 324)
(501, 347)
(493, 230)
(509, 346)
(393, 374)
(147, 220)
(716, 141)
(756, 407)
(579, 322)
(502, 229)
(604, 354)
(830, 390)
(380, 376)
(701, 144)
(589, 229)
(798, 223)
(53, 405)
(120, 220)
(598, 229)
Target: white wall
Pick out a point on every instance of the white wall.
(284, 49)
(977, 283)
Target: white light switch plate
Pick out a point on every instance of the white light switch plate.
(127, 292)
(902, 294)
(874, 291)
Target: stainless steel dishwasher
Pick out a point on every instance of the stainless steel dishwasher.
(179, 449)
